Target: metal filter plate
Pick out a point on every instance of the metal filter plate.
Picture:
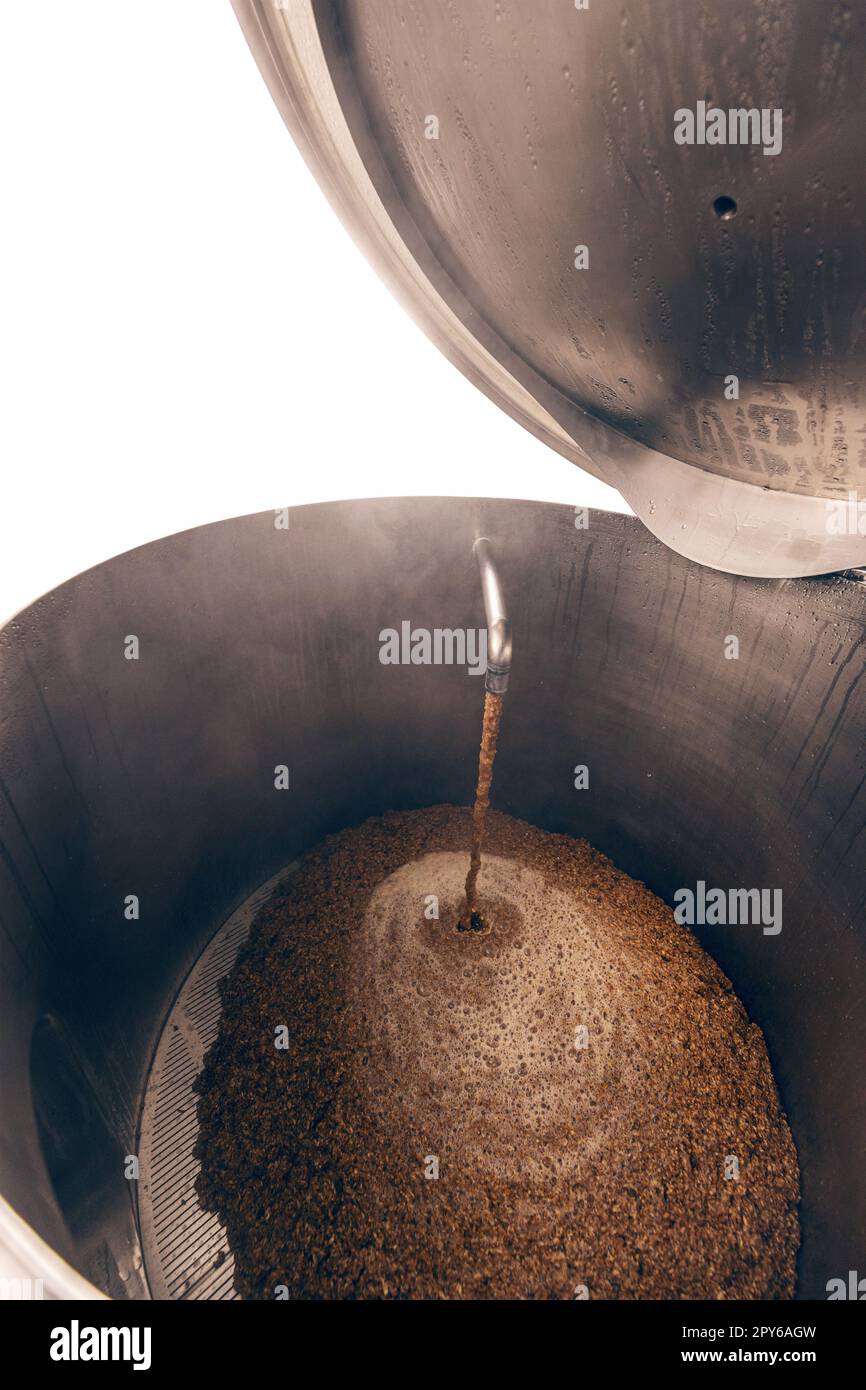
(186, 1250)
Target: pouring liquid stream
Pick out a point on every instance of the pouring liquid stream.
(470, 918)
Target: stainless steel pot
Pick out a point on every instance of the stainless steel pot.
(683, 319)
(259, 647)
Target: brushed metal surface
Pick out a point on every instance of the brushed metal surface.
(261, 647)
(556, 129)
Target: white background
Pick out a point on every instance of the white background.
(188, 332)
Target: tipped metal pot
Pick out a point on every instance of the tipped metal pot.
(638, 227)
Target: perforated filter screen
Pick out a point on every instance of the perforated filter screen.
(186, 1252)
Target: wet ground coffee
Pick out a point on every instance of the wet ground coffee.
(570, 1103)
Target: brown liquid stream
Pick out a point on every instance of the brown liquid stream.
(470, 918)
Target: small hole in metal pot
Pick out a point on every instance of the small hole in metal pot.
(725, 208)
